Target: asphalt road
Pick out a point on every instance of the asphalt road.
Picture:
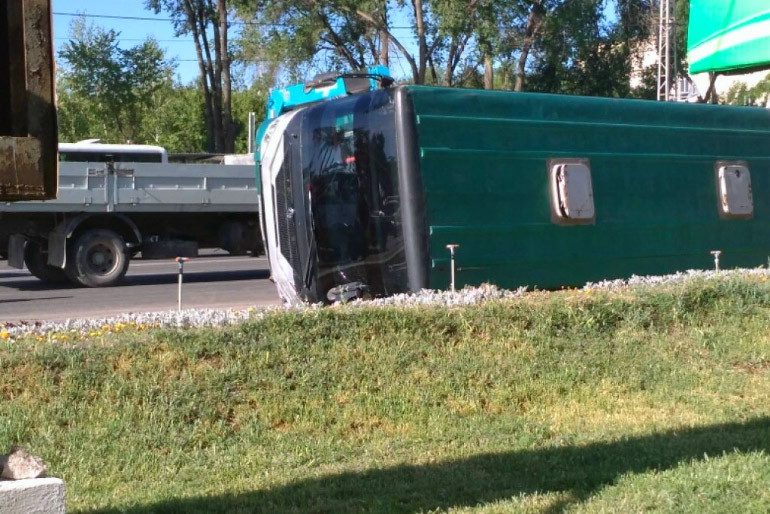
(210, 281)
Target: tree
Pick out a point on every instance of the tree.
(207, 21)
(578, 49)
(543, 45)
(741, 94)
(302, 31)
(761, 92)
(119, 95)
(535, 14)
(682, 17)
(468, 39)
(176, 120)
(339, 34)
(105, 90)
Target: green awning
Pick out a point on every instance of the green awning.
(728, 35)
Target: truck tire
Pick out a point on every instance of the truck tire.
(240, 238)
(98, 258)
(37, 264)
(231, 237)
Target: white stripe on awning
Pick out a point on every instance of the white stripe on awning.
(737, 37)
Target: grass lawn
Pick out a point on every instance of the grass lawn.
(644, 400)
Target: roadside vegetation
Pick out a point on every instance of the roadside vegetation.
(111, 88)
(641, 399)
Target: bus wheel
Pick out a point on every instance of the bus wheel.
(37, 264)
(98, 258)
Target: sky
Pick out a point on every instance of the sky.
(132, 32)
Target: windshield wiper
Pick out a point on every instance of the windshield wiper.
(308, 271)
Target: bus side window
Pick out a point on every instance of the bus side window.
(572, 197)
(734, 190)
(81, 157)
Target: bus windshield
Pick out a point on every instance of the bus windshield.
(352, 203)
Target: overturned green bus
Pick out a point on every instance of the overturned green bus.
(362, 194)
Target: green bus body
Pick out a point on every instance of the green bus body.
(483, 161)
(362, 194)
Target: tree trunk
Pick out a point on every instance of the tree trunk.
(489, 72)
(533, 23)
(384, 48)
(379, 25)
(422, 57)
(227, 111)
(449, 71)
(338, 43)
(433, 73)
(710, 96)
(209, 110)
(506, 71)
(217, 82)
(456, 49)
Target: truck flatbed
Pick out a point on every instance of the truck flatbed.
(146, 187)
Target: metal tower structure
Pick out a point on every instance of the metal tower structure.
(667, 58)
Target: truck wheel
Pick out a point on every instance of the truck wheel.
(98, 258)
(37, 264)
(231, 238)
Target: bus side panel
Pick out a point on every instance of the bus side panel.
(484, 158)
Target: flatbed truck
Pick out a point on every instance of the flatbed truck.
(106, 213)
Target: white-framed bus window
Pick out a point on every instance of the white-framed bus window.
(734, 197)
(93, 151)
(571, 191)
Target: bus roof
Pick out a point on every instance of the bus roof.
(109, 148)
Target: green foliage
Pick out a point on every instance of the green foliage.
(120, 95)
(327, 34)
(207, 22)
(106, 91)
(738, 94)
(646, 399)
(175, 120)
(580, 52)
(565, 47)
(741, 94)
(648, 88)
(682, 17)
(247, 100)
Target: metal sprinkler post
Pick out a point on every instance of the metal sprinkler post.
(452, 266)
(716, 254)
(180, 267)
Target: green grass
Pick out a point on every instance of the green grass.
(649, 400)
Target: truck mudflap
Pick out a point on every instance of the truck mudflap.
(57, 255)
(16, 245)
(57, 238)
(57, 249)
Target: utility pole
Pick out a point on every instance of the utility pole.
(667, 58)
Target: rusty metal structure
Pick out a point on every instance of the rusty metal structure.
(28, 134)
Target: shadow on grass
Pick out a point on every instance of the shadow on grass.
(579, 472)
